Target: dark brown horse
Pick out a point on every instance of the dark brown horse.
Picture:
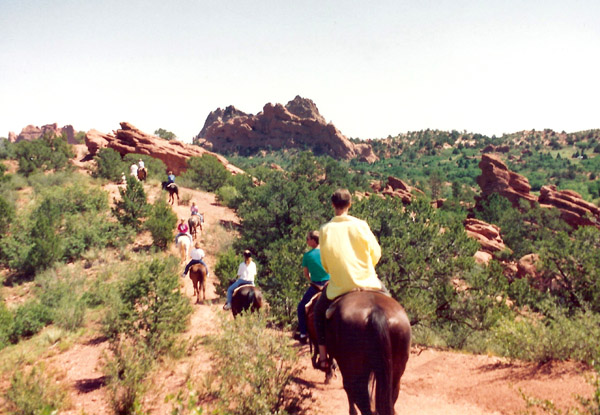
(198, 277)
(246, 297)
(173, 191)
(194, 223)
(368, 335)
(142, 174)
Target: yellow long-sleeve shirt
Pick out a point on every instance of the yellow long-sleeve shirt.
(349, 253)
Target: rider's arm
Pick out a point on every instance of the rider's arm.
(306, 273)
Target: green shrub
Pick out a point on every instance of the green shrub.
(33, 392)
(206, 172)
(150, 308)
(161, 222)
(46, 243)
(228, 196)
(6, 323)
(165, 134)
(29, 319)
(574, 258)
(6, 149)
(7, 214)
(62, 295)
(127, 370)
(133, 204)
(44, 182)
(226, 269)
(45, 153)
(109, 165)
(254, 378)
(558, 337)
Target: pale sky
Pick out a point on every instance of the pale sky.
(373, 68)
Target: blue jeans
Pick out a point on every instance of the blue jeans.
(194, 262)
(232, 288)
(310, 292)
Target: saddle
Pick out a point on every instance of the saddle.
(187, 235)
(333, 306)
(240, 286)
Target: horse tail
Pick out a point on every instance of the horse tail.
(381, 356)
(255, 299)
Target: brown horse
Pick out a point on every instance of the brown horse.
(368, 335)
(173, 191)
(198, 277)
(142, 174)
(246, 297)
(194, 223)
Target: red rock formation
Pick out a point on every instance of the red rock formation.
(31, 132)
(129, 139)
(573, 209)
(486, 234)
(526, 267)
(496, 178)
(490, 148)
(397, 188)
(482, 257)
(297, 125)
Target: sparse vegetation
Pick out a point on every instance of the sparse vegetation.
(255, 378)
(161, 222)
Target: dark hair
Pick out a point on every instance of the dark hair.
(314, 235)
(247, 254)
(341, 198)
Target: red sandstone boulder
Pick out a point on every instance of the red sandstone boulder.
(486, 234)
(482, 257)
(31, 132)
(496, 178)
(573, 209)
(298, 124)
(526, 267)
(129, 139)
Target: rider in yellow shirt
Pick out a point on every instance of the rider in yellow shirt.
(349, 253)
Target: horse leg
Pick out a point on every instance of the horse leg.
(357, 390)
(352, 407)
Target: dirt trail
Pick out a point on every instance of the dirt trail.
(435, 382)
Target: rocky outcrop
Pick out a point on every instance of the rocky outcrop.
(486, 234)
(490, 148)
(397, 188)
(298, 124)
(527, 267)
(496, 178)
(31, 132)
(573, 209)
(128, 139)
(482, 257)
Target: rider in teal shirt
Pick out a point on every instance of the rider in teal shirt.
(316, 274)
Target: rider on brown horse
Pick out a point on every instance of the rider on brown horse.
(316, 275)
(246, 273)
(349, 252)
(197, 255)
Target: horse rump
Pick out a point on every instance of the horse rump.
(246, 297)
(371, 341)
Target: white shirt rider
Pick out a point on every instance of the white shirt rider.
(197, 254)
(247, 272)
